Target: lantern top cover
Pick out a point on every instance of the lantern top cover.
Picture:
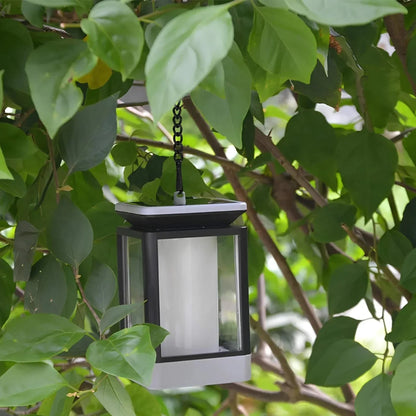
(198, 212)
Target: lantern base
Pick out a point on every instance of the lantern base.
(218, 370)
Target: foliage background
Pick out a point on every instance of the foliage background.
(304, 110)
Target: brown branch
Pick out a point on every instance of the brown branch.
(306, 394)
(400, 38)
(363, 103)
(406, 186)
(84, 298)
(203, 155)
(290, 376)
(265, 144)
(254, 218)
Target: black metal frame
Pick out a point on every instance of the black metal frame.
(151, 286)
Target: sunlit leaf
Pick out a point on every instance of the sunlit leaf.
(54, 93)
(184, 53)
(281, 43)
(37, 337)
(28, 383)
(127, 353)
(403, 387)
(119, 49)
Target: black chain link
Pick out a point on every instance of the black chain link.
(177, 144)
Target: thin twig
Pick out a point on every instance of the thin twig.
(53, 164)
(84, 298)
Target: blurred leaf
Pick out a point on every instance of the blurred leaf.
(403, 387)
(101, 287)
(28, 383)
(112, 395)
(54, 93)
(37, 337)
(82, 4)
(404, 325)
(408, 223)
(4, 170)
(144, 403)
(119, 49)
(124, 153)
(25, 240)
(7, 288)
(98, 76)
(367, 163)
(340, 13)
(33, 13)
(14, 143)
(402, 351)
(336, 358)
(193, 184)
(127, 353)
(281, 43)
(15, 46)
(69, 233)
(87, 138)
(393, 247)
(312, 142)
(226, 114)
(256, 257)
(15, 187)
(374, 397)
(46, 290)
(327, 221)
(192, 44)
(408, 275)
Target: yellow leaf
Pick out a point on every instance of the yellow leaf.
(96, 78)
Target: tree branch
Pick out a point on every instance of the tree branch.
(254, 218)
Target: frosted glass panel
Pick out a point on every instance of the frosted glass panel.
(188, 295)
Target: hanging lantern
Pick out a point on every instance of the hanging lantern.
(186, 265)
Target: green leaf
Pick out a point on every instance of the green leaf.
(119, 49)
(341, 13)
(115, 314)
(28, 383)
(367, 163)
(408, 275)
(33, 13)
(144, 402)
(87, 138)
(408, 223)
(4, 170)
(124, 153)
(393, 247)
(113, 396)
(37, 337)
(7, 288)
(281, 43)
(327, 221)
(404, 325)
(324, 87)
(127, 353)
(347, 286)
(409, 143)
(15, 46)
(25, 240)
(315, 151)
(148, 173)
(1, 88)
(101, 286)
(374, 397)
(46, 290)
(226, 114)
(157, 334)
(184, 53)
(69, 233)
(15, 187)
(54, 93)
(82, 4)
(14, 143)
(256, 258)
(402, 351)
(403, 387)
(193, 184)
(336, 358)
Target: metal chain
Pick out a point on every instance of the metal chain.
(177, 144)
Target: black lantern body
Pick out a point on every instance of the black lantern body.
(190, 279)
